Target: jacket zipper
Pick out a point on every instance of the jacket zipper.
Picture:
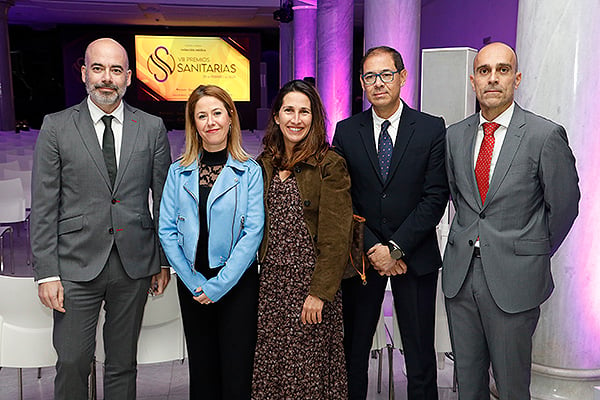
(233, 225)
(192, 267)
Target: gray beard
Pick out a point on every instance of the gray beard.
(100, 98)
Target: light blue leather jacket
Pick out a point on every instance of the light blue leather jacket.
(235, 218)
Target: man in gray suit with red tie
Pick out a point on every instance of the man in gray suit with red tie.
(515, 189)
(92, 235)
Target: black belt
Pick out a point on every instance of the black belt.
(476, 252)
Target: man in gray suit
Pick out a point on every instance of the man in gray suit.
(93, 237)
(515, 189)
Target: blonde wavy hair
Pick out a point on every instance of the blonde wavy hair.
(193, 141)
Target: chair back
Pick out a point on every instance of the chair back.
(12, 201)
(25, 325)
(161, 336)
(25, 177)
(8, 165)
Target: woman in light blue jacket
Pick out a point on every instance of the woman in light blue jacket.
(210, 226)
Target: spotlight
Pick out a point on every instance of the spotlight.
(285, 14)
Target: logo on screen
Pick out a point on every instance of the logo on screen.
(161, 63)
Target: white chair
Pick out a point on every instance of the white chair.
(8, 165)
(25, 327)
(25, 161)
(25, 177)
(12, 211)
(161, 336)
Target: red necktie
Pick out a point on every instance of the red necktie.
(484, 158)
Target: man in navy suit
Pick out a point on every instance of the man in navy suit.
(395, 157)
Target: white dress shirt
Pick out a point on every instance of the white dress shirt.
(392, 129)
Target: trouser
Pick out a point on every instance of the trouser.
(482, 333)
(414, 301)
(220, 339)
(74, 334)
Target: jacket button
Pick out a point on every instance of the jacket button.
(470, 243)
(482, 215)
(383, 195)
(113, 201)
(307, 203)
(297, 169)
(111, 231)
(384, 220)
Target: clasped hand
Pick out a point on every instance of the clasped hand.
(384, 264)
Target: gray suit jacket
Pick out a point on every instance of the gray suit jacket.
(76, 217)
(530, 207)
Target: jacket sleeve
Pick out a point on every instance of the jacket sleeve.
(45, 201)
(338, 145)
(434, 197)
(160, 166)
(167, 232)
(559, 180)
(333, 229)
(244, 250)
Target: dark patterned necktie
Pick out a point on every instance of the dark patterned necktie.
(385, 148)
(484, 159)
(108, 149)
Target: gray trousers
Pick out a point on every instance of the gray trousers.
(481, 333)
(74, 335)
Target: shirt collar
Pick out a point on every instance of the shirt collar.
(393, 119)
(502, 119)
(96, 113)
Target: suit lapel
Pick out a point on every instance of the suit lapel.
(468, 149)
(130, 133)
(406, 129)
(511, 143)
(83, 123)
(368, 138)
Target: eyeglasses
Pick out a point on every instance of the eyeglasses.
(371, 77)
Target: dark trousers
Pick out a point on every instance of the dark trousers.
(482, 333)
(221, 338)
(74, 335)
(414, 301)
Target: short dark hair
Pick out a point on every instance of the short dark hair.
(383, 49)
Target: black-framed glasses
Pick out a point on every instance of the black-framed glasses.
(386, 77)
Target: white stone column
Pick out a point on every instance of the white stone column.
(7, 104)
(305, 45)
(335, 22)
(286, 53)
(557, 46)
(397, 24)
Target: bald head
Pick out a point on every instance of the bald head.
(104, 45)
(498, 47)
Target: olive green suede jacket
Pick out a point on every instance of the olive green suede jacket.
(325, 192)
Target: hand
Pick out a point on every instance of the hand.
(52, 295)
(399, 268)
(159, 282)
(202, 298)
(379, 256)
(311, 311)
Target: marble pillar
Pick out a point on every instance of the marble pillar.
(335, 23)
(397, 24)
(286, 53)
(557, 46)
(305, 45)
(7, 103)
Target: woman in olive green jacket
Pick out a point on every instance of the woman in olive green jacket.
(308, 210)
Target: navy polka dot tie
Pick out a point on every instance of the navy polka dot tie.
(484, 159)
(385, 150)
